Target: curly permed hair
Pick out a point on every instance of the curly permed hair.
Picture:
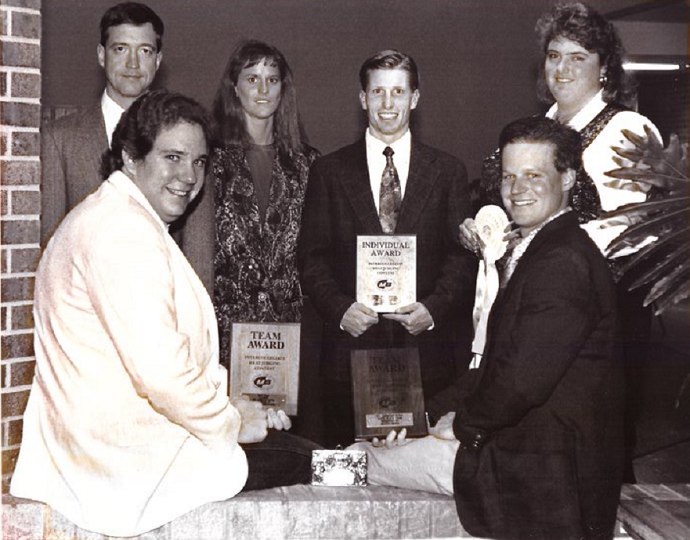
(583, 24)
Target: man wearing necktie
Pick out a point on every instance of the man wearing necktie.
(388, 183)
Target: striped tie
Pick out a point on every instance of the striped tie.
(390, 197)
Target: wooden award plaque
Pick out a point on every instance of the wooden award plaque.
(264, 364)
(387, 392)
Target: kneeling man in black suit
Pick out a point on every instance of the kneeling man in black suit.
(537, 429)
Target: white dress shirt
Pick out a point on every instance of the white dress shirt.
(111, 115)
(598, 159)
(376, 161)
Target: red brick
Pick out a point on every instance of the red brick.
(14, 403)
(4, 312)
(25, 260)
(17, 346)
(26, 143)
(21, 54)
(3, 373)
(20, 172)
(26, 25)
(26, 85)
(4, 198)
(20, 232)
(26, 203)
(3, 261)
(9, 460)
(17, 288)
(30, 4)
(14, 431)
(22, 317)
(20, 114)
(22, 373)
(3, 83)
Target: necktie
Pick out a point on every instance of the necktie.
(390, 197)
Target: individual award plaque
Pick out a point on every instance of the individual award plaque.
(387, 391)
(386, 271)
(264, 364)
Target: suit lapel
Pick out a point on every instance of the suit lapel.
(551, 233)
(95, 136)
(420, 180)
(357, 187)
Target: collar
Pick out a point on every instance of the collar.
(124, 183)
(401, 147)
(111, 114)
(521, 247)
(586, 114)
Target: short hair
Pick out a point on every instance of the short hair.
(227, 108)
(583, 24)
(140, 125)
(539, 129)
(389, 59)
(132, 13)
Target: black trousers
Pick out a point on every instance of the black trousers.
(281, 459)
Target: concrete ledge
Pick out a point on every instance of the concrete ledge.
(647, 511)
(288, 512)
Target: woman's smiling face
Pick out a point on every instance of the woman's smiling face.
(572, 72)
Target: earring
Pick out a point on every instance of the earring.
(603, 80)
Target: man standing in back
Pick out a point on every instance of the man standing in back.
(388, 182)
(71, 146)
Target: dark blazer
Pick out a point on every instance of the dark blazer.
(339, 206)
(71, 149)
(541, 422)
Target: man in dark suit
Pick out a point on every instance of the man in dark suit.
(537, 429)
(71, 146)
(386, 182)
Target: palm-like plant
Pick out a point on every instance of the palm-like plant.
(660, 226)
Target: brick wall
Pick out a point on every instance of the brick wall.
(20, 93)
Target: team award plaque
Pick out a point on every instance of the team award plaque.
(386, 271)
(387, 391)
(264, 364)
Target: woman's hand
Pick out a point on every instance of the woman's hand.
(278, 420)
(469, 237)
(392, 440)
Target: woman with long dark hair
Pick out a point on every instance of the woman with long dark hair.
(242, 238)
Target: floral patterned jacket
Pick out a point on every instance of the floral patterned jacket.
(255, 273)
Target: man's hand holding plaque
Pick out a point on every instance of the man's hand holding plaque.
(358, 319)
(415, 318)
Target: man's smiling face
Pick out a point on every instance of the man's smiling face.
(389, 100)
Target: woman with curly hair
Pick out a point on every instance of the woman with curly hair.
(242, 237)
(583, 79)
